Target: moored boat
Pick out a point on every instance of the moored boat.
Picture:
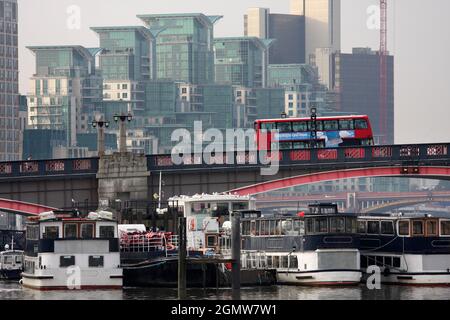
(67, 251)
(11, 263)
(408, 250)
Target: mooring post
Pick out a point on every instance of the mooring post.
(236, 255)
(182, 259)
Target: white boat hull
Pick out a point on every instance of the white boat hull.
(320, 278)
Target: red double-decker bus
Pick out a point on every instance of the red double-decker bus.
(299, 133)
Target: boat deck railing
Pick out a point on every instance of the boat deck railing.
(148, 242)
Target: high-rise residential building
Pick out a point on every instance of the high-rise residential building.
(64, 91)
(288, 30)
(256, 23)
(184, 47)
(9, 82)
(127, 60)
(241, 61)
(302, 89)
(357, 75)
(322, 23)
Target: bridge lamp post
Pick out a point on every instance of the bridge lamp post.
(101, 125)
(122, 130)
(313, 112)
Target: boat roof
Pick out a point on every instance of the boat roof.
(210, 197)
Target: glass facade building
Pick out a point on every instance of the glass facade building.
(241, 61)
(184, 47)
(64, 91)
(9, 86)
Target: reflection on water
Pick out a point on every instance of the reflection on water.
(13, 291)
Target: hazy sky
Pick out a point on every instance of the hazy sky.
(419, 35)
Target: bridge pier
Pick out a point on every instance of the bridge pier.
(122, 177)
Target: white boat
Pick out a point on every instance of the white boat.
(408, 250)
(11, 263)
(67, 251)
(319, 248)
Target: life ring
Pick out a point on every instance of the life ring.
(170, 247)
(192, 224)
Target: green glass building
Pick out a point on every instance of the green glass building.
(184, 47)
(241, 61)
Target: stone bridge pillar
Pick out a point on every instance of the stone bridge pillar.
(122, 177)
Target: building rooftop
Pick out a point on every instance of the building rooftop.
(262, 43)
(205, 20)
(80, 49)
(145, 32)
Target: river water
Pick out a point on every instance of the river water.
(14, 291)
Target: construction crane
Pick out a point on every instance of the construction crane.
(383, 72)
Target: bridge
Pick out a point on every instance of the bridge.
(363, 202)
(130, 177)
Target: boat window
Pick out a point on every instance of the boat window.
(388, 261)
(66, 261)
(211, 241)
(445, 228)
(29, 267)
(286, 227)
(269, 262)
(278, 227)
(106, 232)
(32, 232)
(309, 226)
(96, 261)
(387, 227)
(246, 228)
(373, 227)
(221, 209)
(403, 228)
(285, 262)
(272, 227)
(417, 228)
(320, 225)
(362, 227)
(70, 230)
(299, 227)
(18, 259)
(432, 228)
(301, 126)
(379, 261)
(276, 261)
(363, 262)
(87, 230)
(293, 262)
(331, 125)
(51, 232)
(258, 223)
(396, 262)
(346, 124)
(350, 225)
(361, 124)
(337, 225)
(239, 206)
(253, 228)
(264, 228)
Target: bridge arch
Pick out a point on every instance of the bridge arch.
(22, 208)
(426, 172)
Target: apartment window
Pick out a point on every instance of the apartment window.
(118, 86)
(124, 86)
(125, 95)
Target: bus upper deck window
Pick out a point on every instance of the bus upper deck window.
(300, 126)
(331, 125)
(361, 124)
(346, 125)
(284, 126)
(268, 126)
(319, 125)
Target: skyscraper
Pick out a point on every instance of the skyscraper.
(127, 59)
(184, 48)
(288, 30)
(9, 87)
(322, 23)
(357, 75)
(63, 90)
(241, 61)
